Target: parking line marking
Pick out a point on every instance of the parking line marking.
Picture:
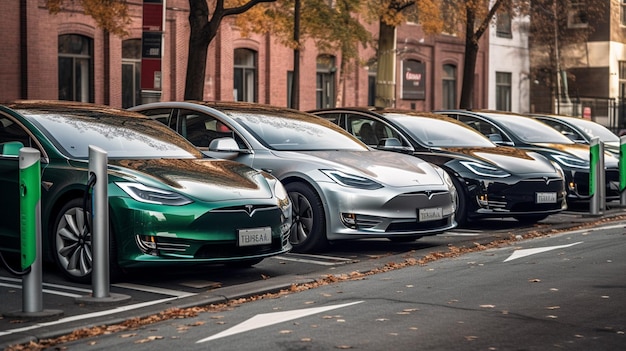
(155, 290)
(87, 316)
(330, 258)
(305, 261)
(48, 291)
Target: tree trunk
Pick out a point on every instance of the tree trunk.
(469, 62)
(386, 71)
(199, 40)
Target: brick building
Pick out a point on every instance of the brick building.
(66, 56)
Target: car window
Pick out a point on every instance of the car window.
(564, 129)
(372, 132)
(531, 130)
(12, 132)
(119, 136)
(292, 131)
(485, 128)
(200, 129)
(441, 133)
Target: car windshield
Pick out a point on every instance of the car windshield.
(121, 137)
(530, 130)
(594, 129)
(291, 131)
(440, 133)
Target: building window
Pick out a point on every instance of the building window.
(622, 9)
(75, 68)
(290, 89)
(449, 86)
(131, 73)
(577, 15)
(325, 81)
(503, 25)
(622, 79)
(245, 75)
(503, 91)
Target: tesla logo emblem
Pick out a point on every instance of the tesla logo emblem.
(249, 210)
(546, 179)
(429, 194)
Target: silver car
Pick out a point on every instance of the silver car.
(339, 187)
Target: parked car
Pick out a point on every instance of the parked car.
(168, 203)
(340, 189)
(510, 129)
(582, 130)
(491, 181)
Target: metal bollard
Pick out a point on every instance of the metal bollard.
(100, 274)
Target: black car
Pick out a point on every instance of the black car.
(582, 130)
(491, 181)
(511, 129)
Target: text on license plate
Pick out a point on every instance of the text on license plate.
(430, 214)
(545, 198)
(255, 236)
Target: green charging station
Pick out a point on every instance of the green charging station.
(30, 200)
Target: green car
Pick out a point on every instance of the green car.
(168, 203)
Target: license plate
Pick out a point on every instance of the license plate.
(545, 198)
(255, 236)
(430, 214)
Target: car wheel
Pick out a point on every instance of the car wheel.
(308, 232)
(460, 215)
(73, 244)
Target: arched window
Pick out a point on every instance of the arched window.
(131, 72)
(245, 71)
(75, 68)
(325, 81)
(449, 87)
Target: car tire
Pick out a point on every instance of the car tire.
(72, 244)
(308, 232)
(460, 216)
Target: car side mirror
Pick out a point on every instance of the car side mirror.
(223, 144)
(11, 148)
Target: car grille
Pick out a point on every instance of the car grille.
(520, 197)
(415, 226)
(611, 179)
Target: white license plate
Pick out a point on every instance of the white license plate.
(430, 214)
(255, 236)
(545, 198)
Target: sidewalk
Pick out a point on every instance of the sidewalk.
(68, 307)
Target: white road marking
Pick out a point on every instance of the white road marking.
(267, 319)
(87, 316)
(527, 252)
(303, 260)
(153, 289)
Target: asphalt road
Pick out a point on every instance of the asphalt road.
(151, 292)
(560, 292)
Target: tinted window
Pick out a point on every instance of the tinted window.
(120, 137)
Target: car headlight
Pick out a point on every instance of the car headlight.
(558, 169)
(283, 198)
(152, 195)
(484, 170)
(450, 184)
(351, 180)
(570, 161)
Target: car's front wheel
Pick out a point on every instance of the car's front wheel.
(308, 232)
(72, 239)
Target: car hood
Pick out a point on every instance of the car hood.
(389, 168)
(515, 161)
(205, 179)
(581, 151)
